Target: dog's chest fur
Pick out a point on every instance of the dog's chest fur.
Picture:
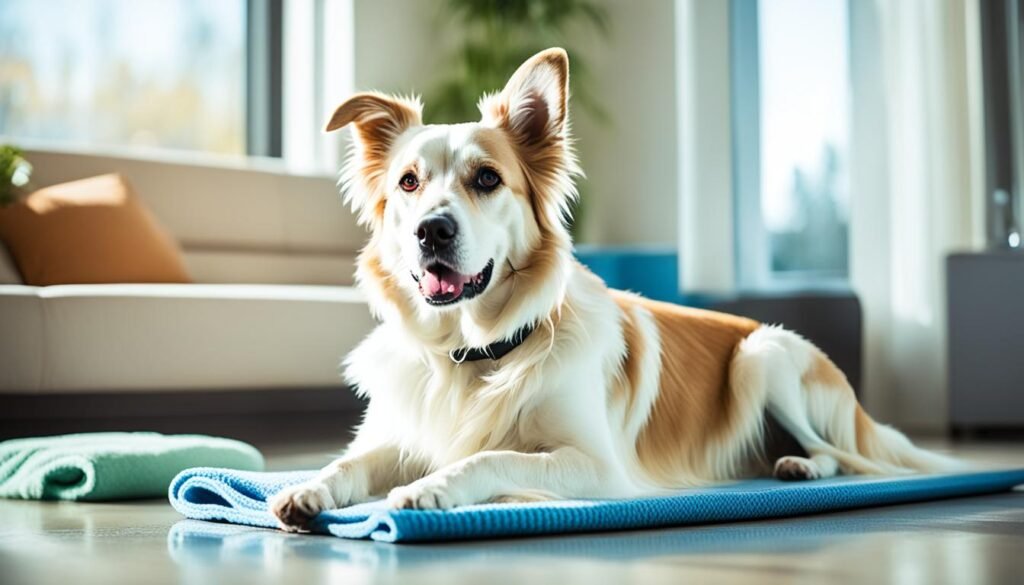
(441, 411)
(548, 392)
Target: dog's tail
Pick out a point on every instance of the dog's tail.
(884, 444)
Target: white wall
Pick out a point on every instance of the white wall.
(631, 165)
(401, 46)
(398, 47)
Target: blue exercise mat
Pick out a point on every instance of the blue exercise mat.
(239, 497)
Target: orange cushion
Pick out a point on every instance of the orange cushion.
(90, 231)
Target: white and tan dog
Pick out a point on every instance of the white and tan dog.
(504, 370)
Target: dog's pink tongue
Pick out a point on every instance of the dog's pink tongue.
(433, 285)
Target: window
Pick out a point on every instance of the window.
(161, 73)
(791, 112)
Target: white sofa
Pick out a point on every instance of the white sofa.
(271, 252)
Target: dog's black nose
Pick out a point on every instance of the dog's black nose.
(436, 232)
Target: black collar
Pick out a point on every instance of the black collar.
(494, 351)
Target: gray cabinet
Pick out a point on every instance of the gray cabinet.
(986, 340)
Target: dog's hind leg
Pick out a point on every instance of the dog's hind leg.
(772, 358)
(785, 360)
(794, 468)
(811, 398)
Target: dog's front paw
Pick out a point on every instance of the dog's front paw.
(296, 506)
(427, 494)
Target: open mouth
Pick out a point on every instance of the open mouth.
(440, 285)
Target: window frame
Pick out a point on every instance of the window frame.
(753, 249)
(318, 73)
(264, 56)
(1002, 52)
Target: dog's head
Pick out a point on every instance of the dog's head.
(456, 208)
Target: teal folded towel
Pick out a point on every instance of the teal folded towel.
(111, 466)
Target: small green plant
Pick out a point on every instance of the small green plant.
(15, 173)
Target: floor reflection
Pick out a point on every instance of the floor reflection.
(194, 543)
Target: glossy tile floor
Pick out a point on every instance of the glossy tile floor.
(971, 541)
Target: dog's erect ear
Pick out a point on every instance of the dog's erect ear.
(534, 104)
(533, 110)
(377, 120)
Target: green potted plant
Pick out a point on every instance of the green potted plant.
(15, 173)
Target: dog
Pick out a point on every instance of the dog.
(504, 371)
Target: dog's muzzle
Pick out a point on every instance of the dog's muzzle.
(442, 285)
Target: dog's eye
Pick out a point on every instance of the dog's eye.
(487, 179)
(409, 183)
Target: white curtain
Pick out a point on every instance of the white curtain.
(917, 192)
